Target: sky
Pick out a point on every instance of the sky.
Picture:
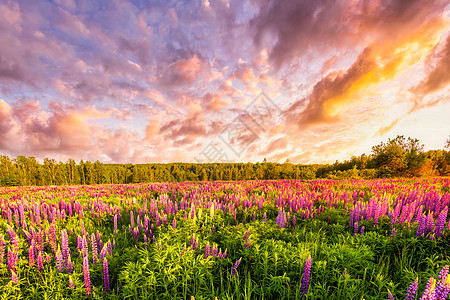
(221, 81)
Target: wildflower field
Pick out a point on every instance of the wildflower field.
(283, 239)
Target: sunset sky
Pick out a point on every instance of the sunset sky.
(128, 81)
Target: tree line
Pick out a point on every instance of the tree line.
(399, 157)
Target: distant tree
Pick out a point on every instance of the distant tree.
(399, 157)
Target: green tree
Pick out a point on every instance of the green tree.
(398, 157)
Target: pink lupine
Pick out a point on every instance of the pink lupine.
(87, 279)
(106, 276)
(94, 249)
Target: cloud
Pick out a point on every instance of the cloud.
(438, 76)
(290, 29)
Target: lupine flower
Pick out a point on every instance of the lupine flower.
(65, 244)
(71, 284)
(306, 277)
(174, 223)
(443, 284)
(52, 236)
(430, 290)
(87, 279)
(411, 293)
(106, 275)
(235, 266)
(390, 296)
(40, 261)
(14, 239)
(84, 247)
(440, 224)
(131, 219)
(207, 251)
(294, 221)
(264, 218)
(14, 277)
(2, 248)
(69, 264)
(94, 249)
(355, 226)
(115, 223)
(11, 257)
(59, 261)
(31, 252)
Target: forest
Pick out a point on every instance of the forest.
(398, 157)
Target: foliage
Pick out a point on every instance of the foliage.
(285, 239)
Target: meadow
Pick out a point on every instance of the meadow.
(261, 239)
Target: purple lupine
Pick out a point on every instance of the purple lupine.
(52, 237)
(207, 251)
(136, 234)
(69, 264)
(440, 224)
(430, 290)
(355, 230)
(84, 247)
(87, 279)
(362, 230)
(294, 221)
(235, 266)
(106, 275)
(390, 296)
(443, 284)
(14, 277)
(94, 249)
(411, 293)
(174, 223)
(131, 218)
(31, 253)
(246, 235)
(264, 218)
(71, 284)
(59, 260)
(306, 277)
(64, 245)
(11, 259)
(2, 248)
(14, 239)
(115, 223)
(281, 219)
(40, 261)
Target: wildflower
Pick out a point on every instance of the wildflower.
(207, 251)
(174, 223)
(94, 249)
(59, 260)
(306, 277)
(71, 284)
(40, 261)
(443, 284)
(2, 248)
(52, 237)
(235, 266)
(65, 244)
(390, 296)
(430, 290)
(264, 218)
(14, 277)
(87, 279)
(411, 293)
(69, 264)
(31, 252)
(106, 276)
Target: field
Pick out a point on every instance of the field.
(283, 239)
